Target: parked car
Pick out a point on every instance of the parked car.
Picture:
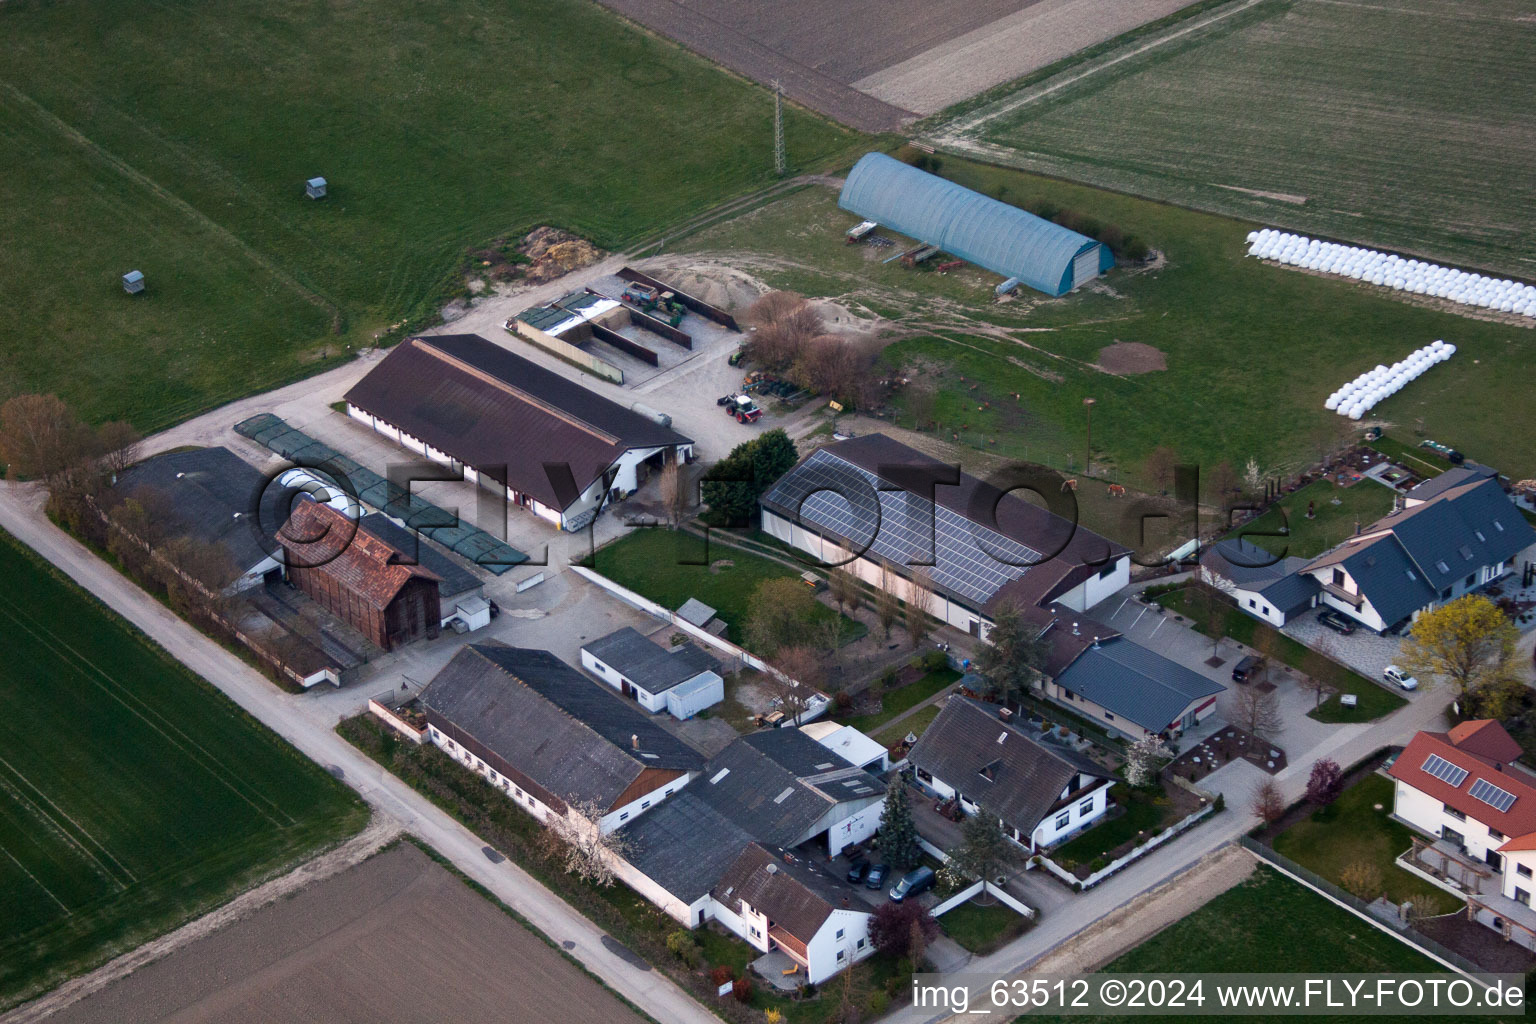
(918, 880)
(1247, 669)
(857, 870)
(1340, 624)
(877, 876)
(1401, 678)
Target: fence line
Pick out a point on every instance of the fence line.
(1137, 852)
(1326, 889)
(983, 886)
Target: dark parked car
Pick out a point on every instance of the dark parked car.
(857, 870)
(913, 882)
(1247, 669)
(1338, 623)
(877, 875)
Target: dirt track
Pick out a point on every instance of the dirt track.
(396, 938)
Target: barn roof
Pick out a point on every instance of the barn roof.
(1002, 238)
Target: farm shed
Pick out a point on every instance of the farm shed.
(1004, 239)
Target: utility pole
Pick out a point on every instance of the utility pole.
(1088, 463)
(780, 164)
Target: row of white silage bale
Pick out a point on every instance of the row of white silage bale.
(1360, 395)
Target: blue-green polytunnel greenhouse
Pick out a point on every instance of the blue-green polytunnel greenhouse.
(1001, 238)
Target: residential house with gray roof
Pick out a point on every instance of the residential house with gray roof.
(1447, 540)
(1042, 794)
(1133, 690)
(656, 672)
(1264, 585)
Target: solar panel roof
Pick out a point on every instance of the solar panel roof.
(1443, 770)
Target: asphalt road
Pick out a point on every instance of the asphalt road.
(291, 717)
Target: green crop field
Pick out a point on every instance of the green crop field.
(1251, 351)
(132, 795)
(1403, 124)
(178, 141)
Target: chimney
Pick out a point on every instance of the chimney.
(1497, 766)
(1006, 714)
(634, 740)
(1074, 630)
(1357, 527)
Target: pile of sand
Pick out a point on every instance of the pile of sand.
(555, 253)
(725, 287)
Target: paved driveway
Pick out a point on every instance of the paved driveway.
(1363, 650)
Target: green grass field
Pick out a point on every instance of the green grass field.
(1252, 352)
(1271, 924)
(894, 702)
(179, 141)
(1352, 831)
(1361, 503)
(1396, 124)
(132, 795)
(668, 567)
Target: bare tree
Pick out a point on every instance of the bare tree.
(676, 497)
(783, 324)
(799, 676)
(919, 619)
(581, 847)
(1268, 802)
(119, 444)
(887, 607)
(1317, 668)
(40, 437)
(1159, 466)
(1256, 710)
(844, 590)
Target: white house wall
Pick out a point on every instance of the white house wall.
(1083, 811)
(527, 801)
(1429, 816)
(1515, 863)
(689, 915)
(845, 829)
(822, 951)
(1098, 588)
(616, 680)
(626, 813)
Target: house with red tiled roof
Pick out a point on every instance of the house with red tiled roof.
(359, 577)
(1475, 807)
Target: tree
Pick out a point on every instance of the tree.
(1361, 879)
(40, 437)
(576, 841)
(898, 832)
(984, 852)
(1012, 655)
(783, 322)
(887, 607)
(777, 614)
(844, 590)
(1255, 710)
(1325, 783)
(1159, 466)
(1268, 802)
(919, 619)
(1253, 475)
(732, 486)
(1471, 643)
(119, 445)
(891, 927)
(799, 677)
(1145, 759)
(675, 498)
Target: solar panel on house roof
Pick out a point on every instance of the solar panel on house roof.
(904, 528)
(1443, 770)
(1492, 795)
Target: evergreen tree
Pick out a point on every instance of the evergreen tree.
(1012, 655)
(984, 852)
(733, 485)
(898, 833)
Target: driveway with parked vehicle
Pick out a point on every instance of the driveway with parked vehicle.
(1364, 650)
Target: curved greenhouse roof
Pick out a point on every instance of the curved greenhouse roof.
(1004, 239)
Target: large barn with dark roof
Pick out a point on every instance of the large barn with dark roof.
(559, 449)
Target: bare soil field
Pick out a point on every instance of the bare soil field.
(397, 938)
(878, 64)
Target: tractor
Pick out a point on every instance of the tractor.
(740, 406)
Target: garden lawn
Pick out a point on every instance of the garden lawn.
(180, 146)
(916, 723)
(1353, 831)
(133, 795)
(1421, 461)
(903, 698)
(668, 566)
(1285, 530)
(983, 928)
(1143, 813)
(1269, 923)
(1225, 619)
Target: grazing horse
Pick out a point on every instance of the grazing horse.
(1116, 491)
(1068, 485)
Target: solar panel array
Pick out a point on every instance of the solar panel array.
(1492, 795)
(1443, 770)
(905, 528)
